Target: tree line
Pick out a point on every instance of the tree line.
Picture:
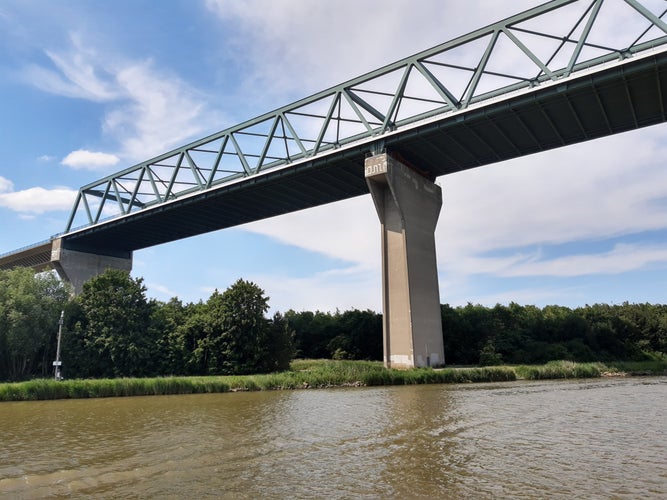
(113, 330)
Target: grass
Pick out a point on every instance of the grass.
(306, 374)
(560, 370)
(656, 366)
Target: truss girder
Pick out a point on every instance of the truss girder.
(551, 44)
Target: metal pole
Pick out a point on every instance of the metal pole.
(57, 363)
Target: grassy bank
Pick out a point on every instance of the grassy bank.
(306, 374)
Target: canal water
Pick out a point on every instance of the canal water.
(602, 438)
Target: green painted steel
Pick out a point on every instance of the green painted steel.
(555, 42)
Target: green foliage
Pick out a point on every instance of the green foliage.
(488, 355)
(279, 347)
(352, 334)
(113, 333)
(117, 387)
(527, 334)
(30, 307)
(231, 335)
(305, 374)
(112, 330)
(236, 329)
(654, 364)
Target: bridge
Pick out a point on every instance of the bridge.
(580, 70)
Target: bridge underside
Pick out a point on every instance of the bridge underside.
(37, 257)
(617, 99)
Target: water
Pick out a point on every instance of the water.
(585, 439)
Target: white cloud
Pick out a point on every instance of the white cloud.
(53, 82)
(5, 185)
(75, 75)
(347, 230)
(38, 200)
(148, 110)
(89, 160)
(295, 45)
(161, 290)
(159, 112)
(346, 287)
(622, 258)
(593, 191)
(596, 190)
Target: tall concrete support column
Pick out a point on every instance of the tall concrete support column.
(408, 206)
(78, 267)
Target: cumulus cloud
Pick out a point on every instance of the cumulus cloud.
(5, 185)
(89, 160)
(620, 259)
(347, 287)
(596, 190)
(37, 200)
(589, 192)
(348, 230)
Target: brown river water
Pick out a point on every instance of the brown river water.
(602, 438)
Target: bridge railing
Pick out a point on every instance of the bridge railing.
(548, 43)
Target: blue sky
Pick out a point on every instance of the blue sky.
(91, 87)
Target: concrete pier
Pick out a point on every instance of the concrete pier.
(78, 267)
(408, 206)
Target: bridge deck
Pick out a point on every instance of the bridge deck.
(619, 98)
(36, 256)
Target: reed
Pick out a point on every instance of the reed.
(314, 374)
(560, 369)
(656, 366)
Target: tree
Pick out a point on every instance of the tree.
(488, 355)
(279, 345)
(359, 335)
(313, 333)
(465, 330)
(30, 307)
(166, 327)
(239, 339)
(191, 341)
(115, 327)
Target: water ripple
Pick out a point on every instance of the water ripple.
(585, 439)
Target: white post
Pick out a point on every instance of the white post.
(57, 363)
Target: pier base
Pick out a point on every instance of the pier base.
(78, 267)
(408, 206)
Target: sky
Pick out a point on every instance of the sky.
(90, 87)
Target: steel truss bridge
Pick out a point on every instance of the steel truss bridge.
(561, 73)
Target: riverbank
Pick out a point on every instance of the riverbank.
(307, 374)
